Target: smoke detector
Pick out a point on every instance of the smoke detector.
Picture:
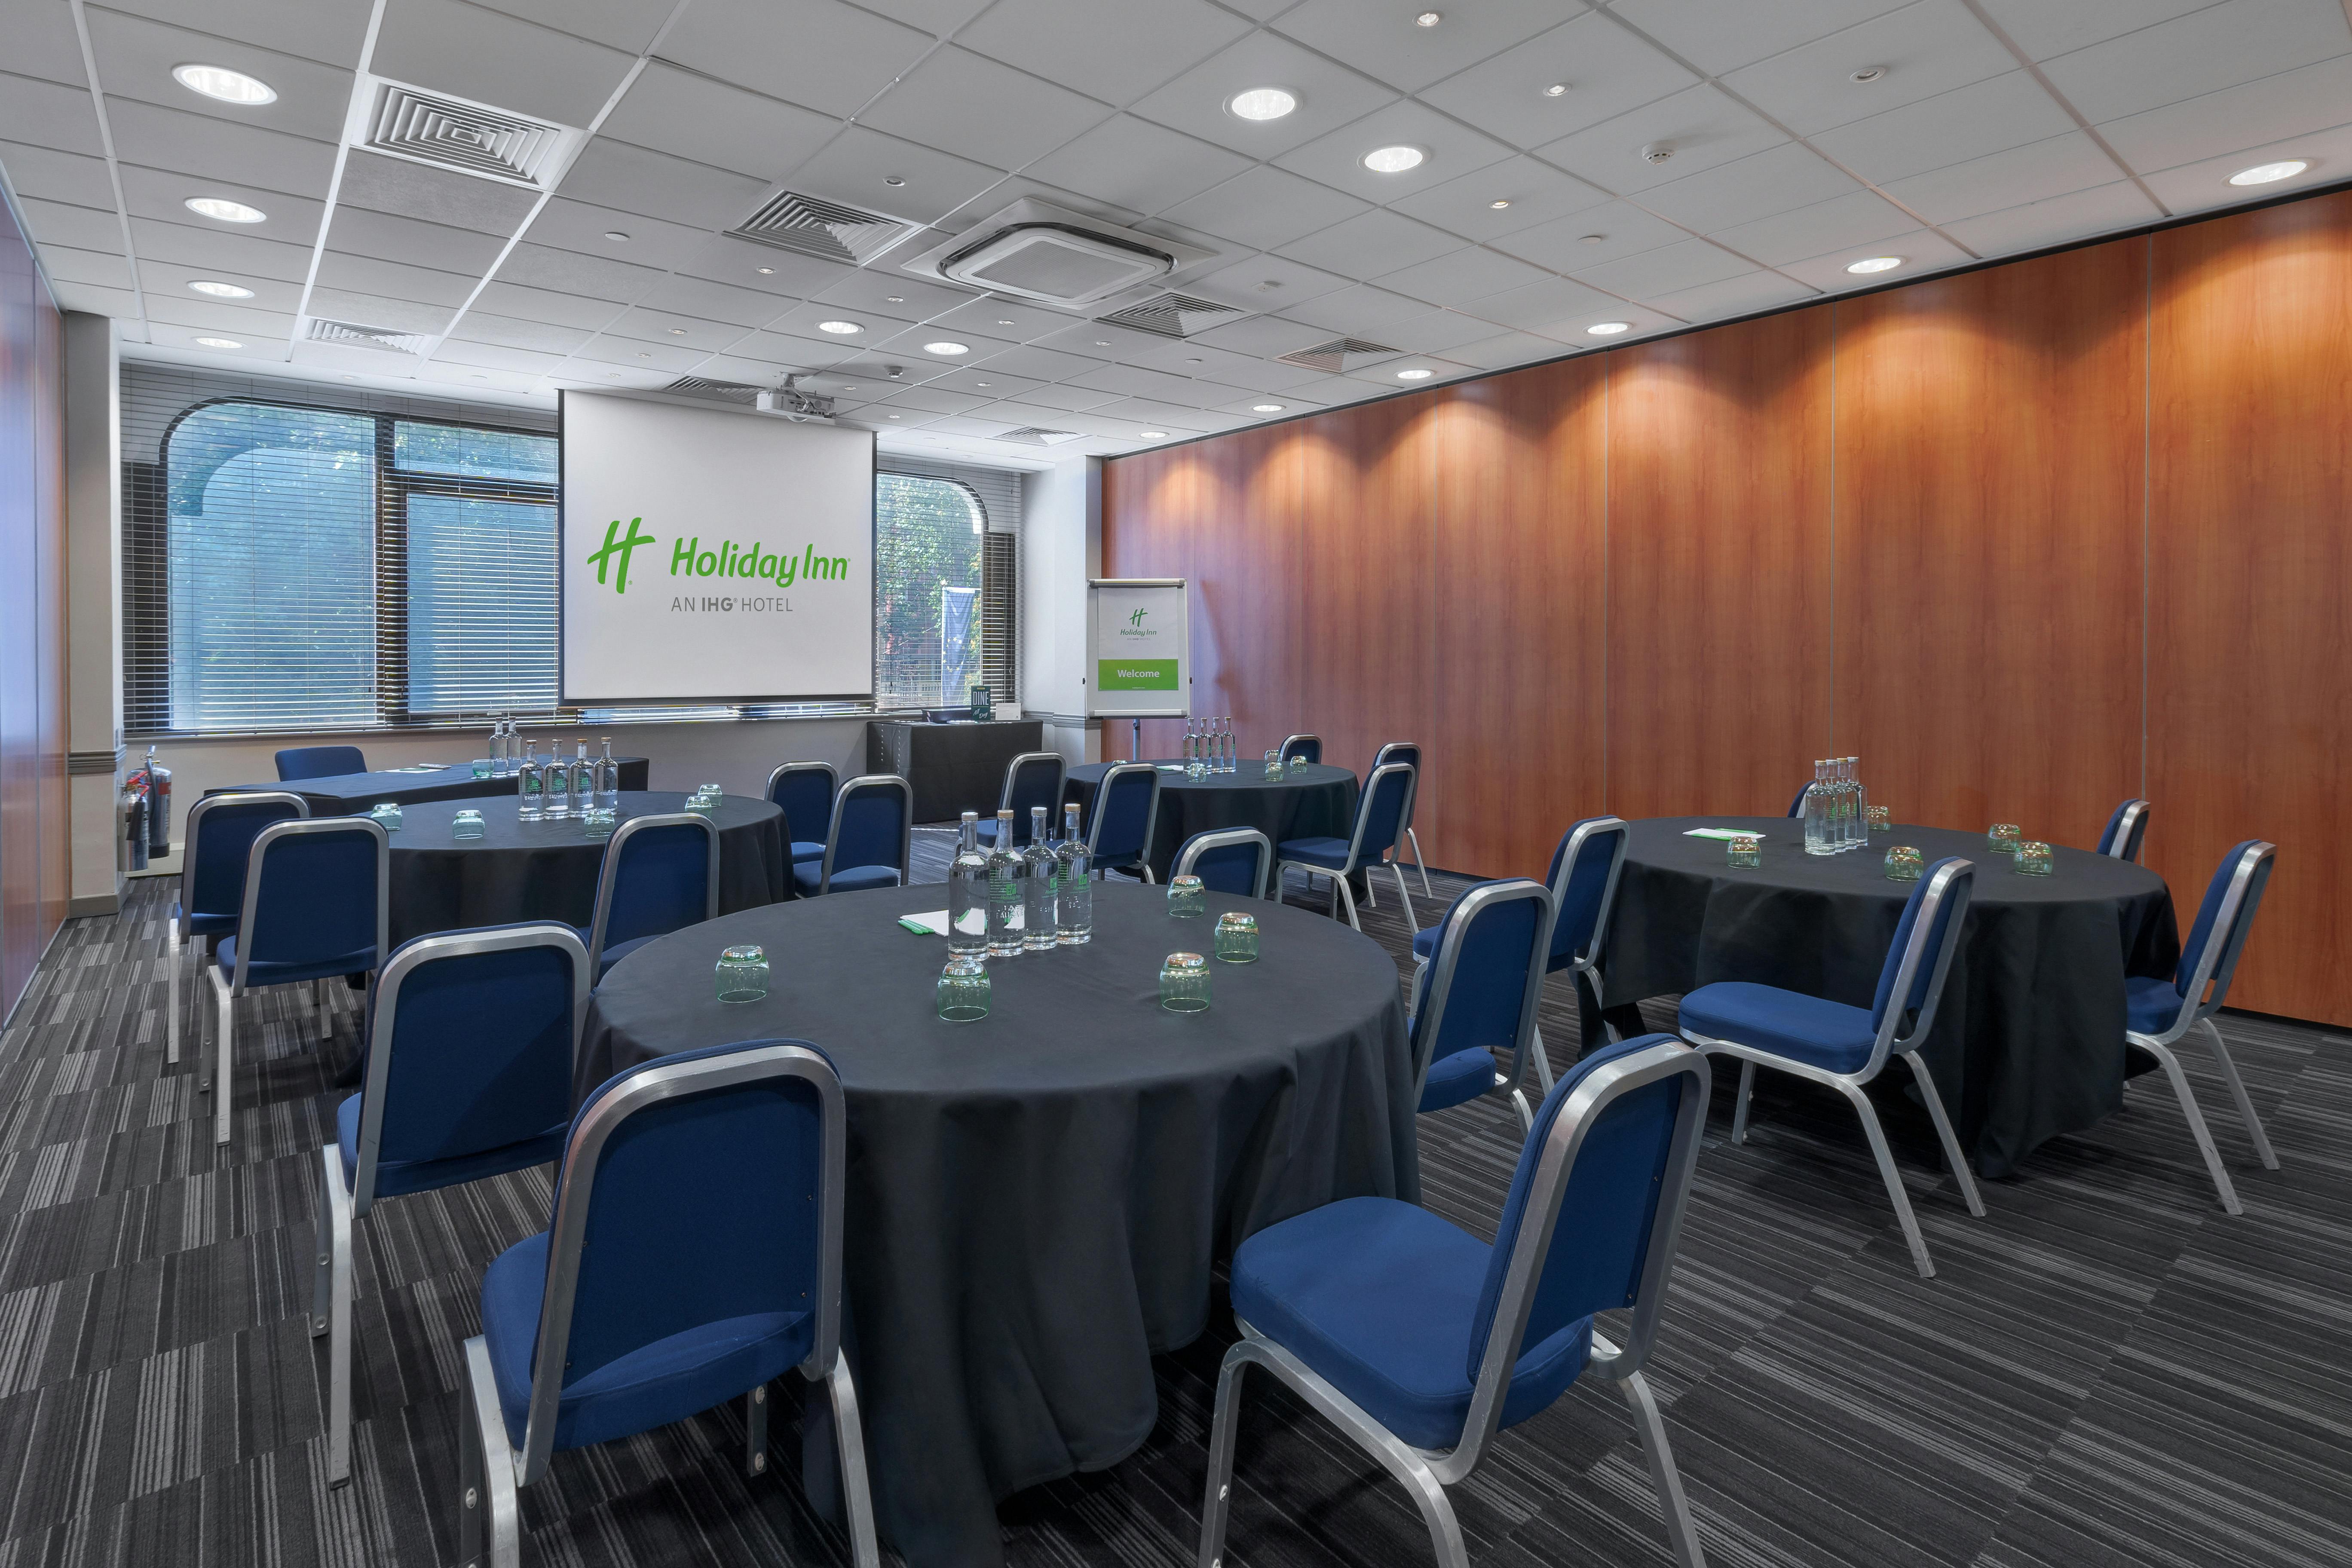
(1658, 152)
(1034, 251)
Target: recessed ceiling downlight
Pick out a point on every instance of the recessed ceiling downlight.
(1608, 329)
(839, 328)
(1151, 435)
(221, 83)
(1394, 160)
(224, 209)
(1261, 103)
(1266, 407)
(1414, 374)
(219, 343)
(2265, 174)
(948, 348)
(219, 291)
(1427, 19)
(1869, 264)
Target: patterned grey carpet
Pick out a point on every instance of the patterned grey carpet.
(2109, 1370)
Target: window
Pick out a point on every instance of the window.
(928, 538)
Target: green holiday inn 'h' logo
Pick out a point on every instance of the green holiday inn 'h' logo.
(623, 548)
(1136, 620)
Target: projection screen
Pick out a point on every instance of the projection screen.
(713, 557)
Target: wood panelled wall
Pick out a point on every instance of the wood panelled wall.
(34, 890)
(2028, 541)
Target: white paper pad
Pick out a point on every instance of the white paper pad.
(935, 923)
(1721, 833)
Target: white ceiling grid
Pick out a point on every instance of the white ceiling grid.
(1803, 135)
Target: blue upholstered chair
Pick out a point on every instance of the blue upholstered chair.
(1408, 752)
(1126, 815)
(2126, 830)
(660, 874)
(1308, 747)
(1585, 866)
(804, 791)
(1236, 860)
(1477, 999)
(694, 1257)
(318, 763)
(317, 905)
(1845, 1047)
(1380, 814)
(470, 1041)
(220, 834)
(2158, 1013)
(1419, 1341)
(872, 835)
(1796, 805)
(1031, 779)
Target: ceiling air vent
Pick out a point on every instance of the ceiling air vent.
(1171, 315)
(353, 335)
(830, 231)
(1030, 436)
(1035, 251)
(404, 122)
(723, 390)
(1339, 354)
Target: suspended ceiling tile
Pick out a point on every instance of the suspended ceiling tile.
(691, 297)
(634, 179)
(101, 268)
(1462, 276)
(629, 353)
(1785, 176)
(859, 166)
(568, 225)
(394, 279)
(1741, 296)
(2043, 30)
(999, 115)
(1436, 332)
(2204, 185)
(1374, 241)
(1361, 311)
(1720, 35)
(1973, 121)
(1383, 42)
(1606, 69)
(445, 46)
(689, 116)
(1116, 50)
(1504, 351)
(45, 175)
(1329, 95)
(441, 196)
(1045, 363)
(994, 316)
(1066, 397)
(1138, 165)
(168, 335)
(2294, 103)
(571, 272)
(135, 56)
(1701, 126)
(2205, 51)
(2054, 219)
(744, 263)
(1592, 237)
(64, 223)
(545, 305)
(378, 311)
(674, 330)
(1540, 305)
(1857, 218)
(1263, 282)
(1536, 193)
(2003, 180)
(1267, 209)
(514, 332)
(1449, 149)
(1928, 48)
(220, 253)
(358, 231)
(56, 115)
(1669, 269)
(628, 26)
(155, 193)
(1922, 252)
(173, 277)
(821, 54)
(42, 43)
(90, 298)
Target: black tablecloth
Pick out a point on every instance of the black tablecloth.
(1035, 1199)
(546, 871)
(345, 794)
(1317, 802)
(955, 767)
(2028, 1041)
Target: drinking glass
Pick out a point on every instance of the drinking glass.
(1882, 818)
(964, 989)
(1186, 897)
(702, 804)
(712, 790)
(2002, 838)
(596, 822)
(743, 974)
(2033, 859)
(1745, 853)
(1184, 983)
(1903, 864)
(466, 824)
(1273, 764)
(387, 813)
(481, 767)
(1236, 937)
(1298, 764)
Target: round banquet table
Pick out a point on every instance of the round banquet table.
(2028, 1041)
(1036, 1199)
(1317, 802)
(546, 871)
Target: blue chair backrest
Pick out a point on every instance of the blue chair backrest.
(1229, 861)
(1610, 1205)
(1122, 812)
(1381, 817)
(1308, 747)
(2130, 825)
(1930, 967)
(702, 1207)
(1585, 893)
(804, 795)
(661, 881)
(1797, 804)
(470, 1038)
(314, 895)
(1482, 998)
(221, 830)
(2223, 927)
(320, 762)
(1033, 778)
(870, 824)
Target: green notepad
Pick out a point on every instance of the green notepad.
(1721, 833)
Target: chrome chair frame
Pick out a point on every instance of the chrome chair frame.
(1199, 844)
(609, 871)
(2131, 831)
(1283, 756)
(832, 791)
(1012, 771)
(492, 1471)
(2214, 967)
(226, 992)
(1438, 987)
(1426, 1473)
(1151, 819)
(906, 826)
(1381, 760)
(1888, 1042)
(1341, 892)
(340, 1208)
(175, 927)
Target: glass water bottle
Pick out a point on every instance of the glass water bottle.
(607, 784)
(1821, 836)
(556, 785)
(583, 781)
(1005, 867)
(1074, 904)
(968, 894)
(529, 786)
(1041, 874)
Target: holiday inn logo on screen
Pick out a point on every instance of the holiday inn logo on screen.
(748, 558)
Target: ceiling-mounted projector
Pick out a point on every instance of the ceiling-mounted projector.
(1035, 251)
(800, 407)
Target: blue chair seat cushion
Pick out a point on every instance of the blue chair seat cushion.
(263, 972)
(1380, 1297)
(2150, 1007)
(845, 879)
(394, 1177)
(1827, 1034)
(205, 925)
(615, 952)
(1424, 942)
(804, 850)
(666, 1381)
(1458, 1079)
(1324, 852)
